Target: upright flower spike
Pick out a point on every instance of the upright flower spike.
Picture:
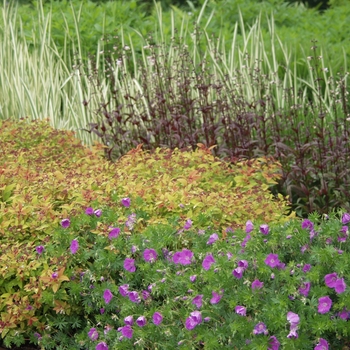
(107, 296)
(74, 246)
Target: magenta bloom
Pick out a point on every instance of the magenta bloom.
(126, 331)
(141, 321)
(272, 260)
(257, 284)
(193, 320)
(238, 272)
(157, 318)
(340, 285)
(188, 224)
(129, 320)
(260, 328)
(123, 290)
(93, 334)
(305, 289)
(324, 304)
(54, 275)
(126, 202)
(345, 218)
(107, 296)
(274, 344)
(307, 268)
(98, 212)
(101, 346)
(322, 345)
(184, 257)
(74, 246)
(65, 223)
(293, 318)
(264, 229)
(241, 310)
(208, 261)
(150, 255)
(307, 224)
(198, 300)
(249, 227)
(129, 265)
(89, 211)
(145, 295)
(114, 233)
(134, 297)
(331, 279)
(39, 249)
(246, 239)
(293, 332)
(243, 264)
(193, 278)
(344, 314)
(216, 298)
(213, 238)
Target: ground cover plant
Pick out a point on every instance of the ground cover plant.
(184, 284)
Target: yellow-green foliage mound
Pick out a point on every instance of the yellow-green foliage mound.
(47, 175)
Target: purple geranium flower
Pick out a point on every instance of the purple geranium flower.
(145, 295)
(293, 332)
(340, 285)
(241, 310)
(114, 233)
(39, 249)
(198, 301)
(193, 320)
(129, 265)
(101, 346)
(331, 279)
(126, 202)
(98, 212)
(324, 304)
(107, 296)
(126, 331)
(141, 321)
(246, 239)
(344, 314)
(150, 255)
(157, 318)
(307, 224)
(123, 290)
(188, 224)
(65, 223)
(272, 260)
(304, 248)
(322, 345)
(249, 227)
(274, 344)
(264, 229)
(184, 257)
(307, 268)
(74, 246)
(54, 275)
(89, 211)
(216, 297)
(257, 284)
(134, 297)
(293, 318)
(93, 334)
(193, 278)
(305, 288)
(208, 261)
(260, 328)
(238, 272)
(129, 320)
(213, 238)
(243, 264)
(345, 218)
